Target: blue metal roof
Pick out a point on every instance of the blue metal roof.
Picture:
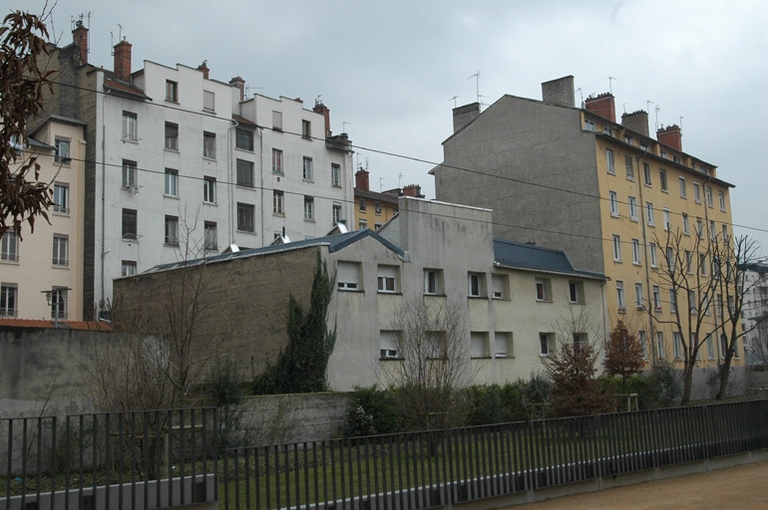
(535, 258)
(334, 243)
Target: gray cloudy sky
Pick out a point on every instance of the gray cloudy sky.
(389, 69)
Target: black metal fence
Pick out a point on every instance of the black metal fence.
(143, 459)
(436, 468)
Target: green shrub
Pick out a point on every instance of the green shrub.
(485, 405)
(371, 411)
(512, 397)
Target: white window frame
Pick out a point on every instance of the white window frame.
(126, 227)
(639, 297)
(309, 208)
(503, 346)
(210, 236)
(647, 179)
(62, 152)
(61, 198)
(209, 101)
(60, 250)
(609, 162)
(683, 191)
(335, 175)
(386, 278)
(656, 298)
(660, 347)
(245, 173)
(130, 174)
(632, 201)
(653, 255)
(672, 301)
(686, 225)
(171, 236)
(209, 145)
(475, 285)
(636, 252)
(277, 161)
(543, 290)
(546, 344)
(59, 302)
(721, 196)
(666, 218)
(127, 267)
(663, 184)
(576, 292)
(171, 182)
(621, 302)
(650, 217)
(630, 166)
(697, 192)
(171, 136)
(130, 126)
(614, 200)
(278, 202)
(348, 276)
(616, 248)
(245, 221)
(708, 195)
(209, 190)
(336, 209)
(432, 282)
(307, 172)
(499, 286)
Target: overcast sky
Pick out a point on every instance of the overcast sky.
(388, 70)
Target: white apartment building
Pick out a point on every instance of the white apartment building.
(180, 165)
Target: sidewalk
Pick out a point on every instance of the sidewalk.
(742, 487)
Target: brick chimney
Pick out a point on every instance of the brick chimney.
(603, 105)
(80, 38)
(123, 61)
(412, 190)
(204, 68)
(636, 121)
(323, 110)
(362, 180)
(463, 115)
(672, 136)
(240, 84)
(559, 91)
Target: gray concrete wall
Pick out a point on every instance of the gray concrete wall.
(517, 141)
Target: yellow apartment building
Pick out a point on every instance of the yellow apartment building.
(372, 208)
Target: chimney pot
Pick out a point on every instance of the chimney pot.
(240, 84)
(463, 115)
(671, 136)
(323, 110)
(123, 61)
(362, 181)
(204, 68)
(636, 121)
(559, 91)
(80, 38)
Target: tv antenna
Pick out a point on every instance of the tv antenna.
(248, 90)
(476, 76)
(344, 126)
(454, 98)
(112, 37)
(381, 182)
(681, 123)
(581, 96)
(657, 116)
(610, 87)
(400, 180)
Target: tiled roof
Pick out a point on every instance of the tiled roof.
(535, 258)
(124, 88)
(49, 324)
(334, 243)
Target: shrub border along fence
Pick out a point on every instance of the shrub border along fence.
(171, 458)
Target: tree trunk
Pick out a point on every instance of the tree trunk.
(687, 382)
(725, 372)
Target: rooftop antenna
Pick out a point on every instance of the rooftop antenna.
(610, 87)
(581, 96)
(454, 98)
(319, 100)
(400, 180)
(344, 126)
(248, 90)
(476, 76)
(112, 38)
(657, 116)
(381, 181)
(681, 123)
(624, 105)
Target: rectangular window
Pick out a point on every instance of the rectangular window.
(128, 268)
(653, 256)
(609, 161)
(616, 248)
(277, 161)
(576, 292)
(686, 225)
(61, 198)
(59, 303)
(721, 196)
(725, 232)
(665, 217)
(692, 303)
(306, 129)
(171, 91)
(708, 193)
(639, 298)
(689, 261)
(377, 207)
(656, 298)
(478, 345)
(502, 345)
(306, 172)
(476, 284)
(663, 179)
(670, 260)
(614, 199)
(129, 225)
(647, 174)
(245, 217)
(171, 136)
(683, 192)
(636, 251)
(278, 202)
(546, 344)
(171, 230)
(209, 145)
(387, 278)
(362, 205)
(130, 126)
(245, 173)
(699, 228)
(589, 125)
(499, 286)
(335, 175)
(710, 347)
(649, 214)
(632, 208)
(309, 208)
(672, 301)
(433, 282)
(703, 267)
(362, 224)
(171, 182)
(130, 177)
(60, 250)
(348, 275)
(660, 349)
(209, 190)
(620, 299)
(209, 101)
(211, 236)
(643, 338)
(696, 192)
(336, 214)
(677, 345)
(712, 230)
(244, 139)
(630, 167)
(543, 289)
(277, 120)
(62, 152)
(388, 344)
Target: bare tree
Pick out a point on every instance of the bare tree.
(731, 263)
(433, 362)
(692, 290)
(22, 84)
(623, 353)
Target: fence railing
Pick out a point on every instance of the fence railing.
(142, 459)
(436, 468)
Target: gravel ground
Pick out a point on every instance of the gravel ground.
(742, 487)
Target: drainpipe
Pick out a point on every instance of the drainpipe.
(103, 197)
(261, 182)
(230, 178)
(651, 339)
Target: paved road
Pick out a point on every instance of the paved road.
(742, 487)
